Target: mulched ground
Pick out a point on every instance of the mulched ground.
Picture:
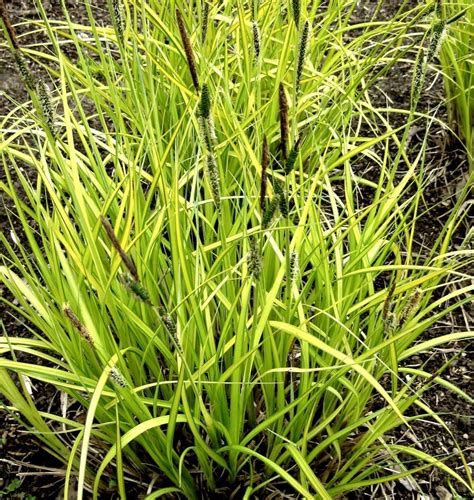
(26, 471)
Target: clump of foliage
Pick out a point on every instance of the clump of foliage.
(195, 269)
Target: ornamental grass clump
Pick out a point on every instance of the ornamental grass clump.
(220, 306)
(450, 40)
(457, 68)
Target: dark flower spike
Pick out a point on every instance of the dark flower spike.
(188, 49)
(437, 35)
(388, 300)
(270, 211)
(412, 306)
(205, 104)
(293, 156)
(302, 49)
(135, 287)
(213, 175)
(117, 9)
(256, 41)
(23, 69)
(75, 322)
(254, 259)
(282, 197)
(18, 56)
(296, 11)
(284, 122)
(115, 243)
(117, 377)
(205, 22)
(44, 97)
(263, 182)
(8, 26)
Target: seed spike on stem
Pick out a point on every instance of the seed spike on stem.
(284, 122)
(76, 323)
(254, 259)
(263, 183)
(302, 49)
(293, 156)
(205, 22)
(8, 26)
(188, 49)
(296, 11)
(115, 243)
(256, 41)
(411, 307)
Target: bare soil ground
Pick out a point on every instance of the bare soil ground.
(27, 472)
